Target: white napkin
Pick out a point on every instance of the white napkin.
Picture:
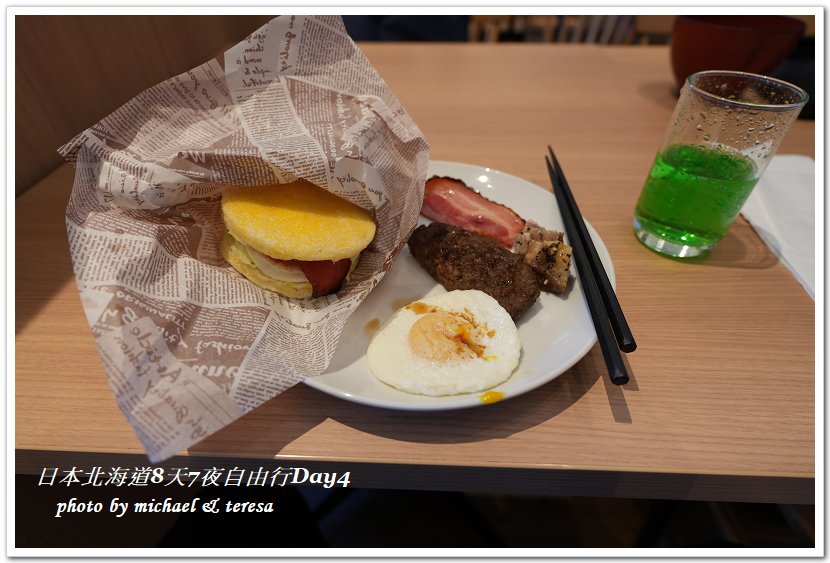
(781, 209)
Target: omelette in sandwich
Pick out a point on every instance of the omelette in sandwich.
(296, 239)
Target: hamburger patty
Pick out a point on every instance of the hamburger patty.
(460, 259)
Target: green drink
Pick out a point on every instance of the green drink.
(691, 196)
(725, 129)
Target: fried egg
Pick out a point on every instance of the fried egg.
(458, 342)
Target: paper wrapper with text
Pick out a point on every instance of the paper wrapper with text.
(188, 344)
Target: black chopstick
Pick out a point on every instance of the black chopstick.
(617, 369)
(625, 340)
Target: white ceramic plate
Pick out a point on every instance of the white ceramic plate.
(556, 332)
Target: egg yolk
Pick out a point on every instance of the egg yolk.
(440, 337)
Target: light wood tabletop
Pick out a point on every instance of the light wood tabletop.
(721, 405)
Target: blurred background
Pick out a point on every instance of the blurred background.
(58, 92)
(61, 63)
(611, 29)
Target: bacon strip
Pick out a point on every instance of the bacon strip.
(451, 201)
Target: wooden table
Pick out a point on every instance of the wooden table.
(722, 402)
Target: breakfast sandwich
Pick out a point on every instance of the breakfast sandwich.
(296, 239)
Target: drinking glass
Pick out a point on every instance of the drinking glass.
(725, 129)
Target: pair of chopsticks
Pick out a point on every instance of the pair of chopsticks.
(606, 312)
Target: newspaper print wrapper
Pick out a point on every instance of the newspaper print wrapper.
(188, 344)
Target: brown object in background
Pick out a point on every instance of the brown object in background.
(487, 28)
(652, 29)
(756, 44)
(70, 71)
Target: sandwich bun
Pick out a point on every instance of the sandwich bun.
(293, 238)
(237, 256)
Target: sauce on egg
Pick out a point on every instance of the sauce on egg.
(401, 303)
(491, 397)
(420, 308)
(370, 327)
(441, 336)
